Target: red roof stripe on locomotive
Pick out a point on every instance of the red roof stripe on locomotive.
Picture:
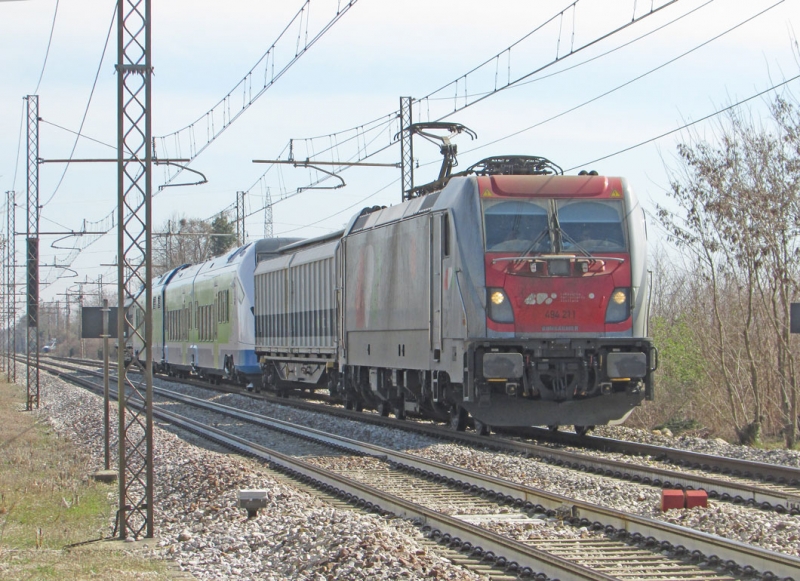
(550, 186)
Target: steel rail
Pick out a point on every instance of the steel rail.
(724, 549)
(520, 553)
(746, 468)
(758, 494)
(715, 548)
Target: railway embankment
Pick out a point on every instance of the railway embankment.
(53, 517)
(200, 527)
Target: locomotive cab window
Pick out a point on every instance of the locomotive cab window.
(591, 225)
(516, 225)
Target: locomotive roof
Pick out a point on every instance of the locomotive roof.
(466, 186)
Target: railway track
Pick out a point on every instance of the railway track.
(742, 482)
(486, 517)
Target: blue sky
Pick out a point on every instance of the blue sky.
(378, 51)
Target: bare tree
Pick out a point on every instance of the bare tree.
(183, 240)
(739, 221)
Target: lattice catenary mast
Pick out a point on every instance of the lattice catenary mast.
(135, 192)
(32, 261)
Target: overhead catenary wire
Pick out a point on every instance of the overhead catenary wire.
(358, 203)
(357, 136)
(22, 118)
(587, 163)
(662, 135)
(597, 56)
(267, 61)
(79, 134)
(86, 109)
(246, 84)
(359, 130)
(286, 195)
(47, 51)
(358, 133)
(509, 82)
(689, 124)
(626, 83)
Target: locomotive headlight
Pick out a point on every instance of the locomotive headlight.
(499, 307)
(619, 307)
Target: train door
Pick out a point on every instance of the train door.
(437, 228)
(340, 262)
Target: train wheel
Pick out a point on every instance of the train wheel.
(399, 412)
(553, 428)
(583, 430)
(358, 405)
(384, 408)
(458, 418)
(482, 429)
(349, 404)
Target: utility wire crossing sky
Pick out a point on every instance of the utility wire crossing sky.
(611, 84)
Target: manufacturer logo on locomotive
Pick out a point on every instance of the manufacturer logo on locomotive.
(540, 298)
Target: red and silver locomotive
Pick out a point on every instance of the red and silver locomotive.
(511, 294)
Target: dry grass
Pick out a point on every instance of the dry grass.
(47, 503)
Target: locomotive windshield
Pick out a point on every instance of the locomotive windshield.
(517, 225)
(562, 225)
(591, 225)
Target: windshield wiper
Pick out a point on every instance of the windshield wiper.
(534, 243)
(560, 235)
(557, 231)
(571, 240)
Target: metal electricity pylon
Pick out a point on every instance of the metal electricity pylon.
(33, 253)
(11, 280)
(241, 214)
(134, 234)
(4, 322)
(268, 230)
(406, 147)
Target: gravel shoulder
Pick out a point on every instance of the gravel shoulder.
(297, 536)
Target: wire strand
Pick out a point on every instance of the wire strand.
(687, 125)
(86, 110)
(47, 52)
(625, 84)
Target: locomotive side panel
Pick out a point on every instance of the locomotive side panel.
(639, 275)
(387, 297)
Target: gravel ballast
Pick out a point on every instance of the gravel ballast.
(299, 536)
